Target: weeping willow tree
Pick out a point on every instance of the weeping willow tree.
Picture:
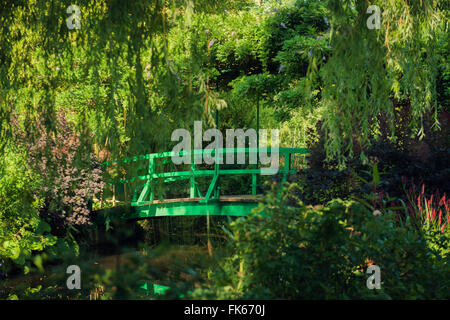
(371, 65)
(83, 69)
(105, 63)
(110, 68)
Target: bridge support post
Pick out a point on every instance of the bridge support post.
(254, 183)
(193, 189)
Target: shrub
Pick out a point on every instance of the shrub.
(322, 253)
(22, 231)
(68, 179)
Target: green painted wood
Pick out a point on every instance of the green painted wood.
(169, 154)
(143, 200)
(192, 208)
(152, 289)
(186, 207)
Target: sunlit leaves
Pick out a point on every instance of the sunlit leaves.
(367, 67)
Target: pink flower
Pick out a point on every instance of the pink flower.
(442, 200)
(440, 216)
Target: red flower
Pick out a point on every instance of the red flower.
(440, 216)
(442, 201)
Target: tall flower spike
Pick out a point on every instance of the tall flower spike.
(440, 217)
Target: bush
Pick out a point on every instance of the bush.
(312, 253)
(22, 231)
(70, 176)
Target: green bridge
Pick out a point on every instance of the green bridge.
(147, 172)
(143, 172)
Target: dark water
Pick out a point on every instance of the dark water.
(168, 260)
(170, 246)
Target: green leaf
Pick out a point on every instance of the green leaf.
(43, 227)
(376, 175)
(38, 263)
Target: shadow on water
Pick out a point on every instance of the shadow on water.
(168, 251)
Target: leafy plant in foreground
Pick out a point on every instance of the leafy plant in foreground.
(304, 252)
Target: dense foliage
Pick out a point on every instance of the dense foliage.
(372, 106)
(322, 253)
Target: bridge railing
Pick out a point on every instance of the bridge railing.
(148, 180)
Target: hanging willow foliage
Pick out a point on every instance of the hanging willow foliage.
(45, 63)
(368, 67)
(113, 75)
(116, 77)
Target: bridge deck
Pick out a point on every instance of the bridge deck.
(233, 205)
(232, 198)
(239, 205)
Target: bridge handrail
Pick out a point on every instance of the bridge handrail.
(169, 154)
(148, 189)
